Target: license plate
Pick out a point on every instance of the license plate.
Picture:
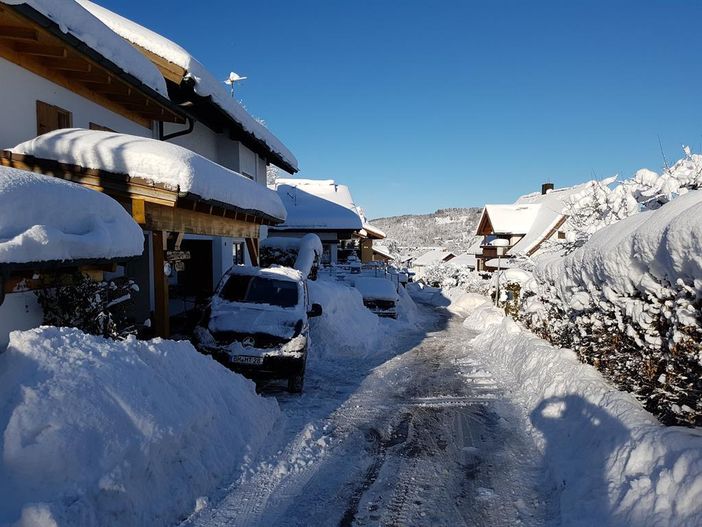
(246, 359)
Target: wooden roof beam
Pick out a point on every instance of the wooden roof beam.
(18, 33)
(40, 50)
(66, 64)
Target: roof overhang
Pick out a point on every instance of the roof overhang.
(124, 188)
(36, 43)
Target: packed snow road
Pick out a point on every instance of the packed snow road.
(420, 436)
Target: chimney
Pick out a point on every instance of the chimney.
(546, 187)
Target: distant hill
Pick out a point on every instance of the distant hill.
(453, 229)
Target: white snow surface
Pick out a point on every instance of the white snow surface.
(466, 303)
(46, 218)
(98, 432)
(615, 464)
(376, 288)
(511, 219)
(432, 257)
(318, 204)
(206, 85)
(156, 161)
(639, 254)
(74, 19)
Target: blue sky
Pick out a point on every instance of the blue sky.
(419, 105)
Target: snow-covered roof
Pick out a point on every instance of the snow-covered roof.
(432, 257)
(504, 263)
(317, 204)
(511, 219)
(549, 215)
(157, 161)
(75, 20)
(372, 231)
(466, 259)
(48, 219)
(383, 251)
(205, 84)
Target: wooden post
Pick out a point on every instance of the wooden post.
(162, 325)
(252, 247)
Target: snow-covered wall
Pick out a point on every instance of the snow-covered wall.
(21, 89)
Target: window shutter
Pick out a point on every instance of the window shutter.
(50, 118)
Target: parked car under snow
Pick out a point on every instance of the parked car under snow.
(379, 295)
(257, 323)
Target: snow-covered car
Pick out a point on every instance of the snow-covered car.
(257, 323)
(379, 295)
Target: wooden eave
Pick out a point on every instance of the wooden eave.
(485, 226)
(186, 207)
(36, 43)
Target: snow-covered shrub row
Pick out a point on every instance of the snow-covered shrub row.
(447, 276)
(628, 301)
(611, 462)
(98, 432)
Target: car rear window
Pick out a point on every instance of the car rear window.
(258, 290)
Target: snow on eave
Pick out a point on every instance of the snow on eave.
(47, 219)
(160, 162)
(205, 84)
(511, 219)
(74, 20)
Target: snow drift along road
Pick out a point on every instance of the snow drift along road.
(97, 432)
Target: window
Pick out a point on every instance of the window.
(100, 128)
(259, 290)
(561, 235)
(50, 118)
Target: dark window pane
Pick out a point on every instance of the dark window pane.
(258, 290)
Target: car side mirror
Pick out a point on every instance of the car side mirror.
(315, 311)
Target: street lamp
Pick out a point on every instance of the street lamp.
(500, 245)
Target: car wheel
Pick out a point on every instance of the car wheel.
(296, 382)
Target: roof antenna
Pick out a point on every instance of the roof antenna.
(665, 161)
(233, 79)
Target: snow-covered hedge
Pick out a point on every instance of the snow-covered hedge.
(612, 463)
(97, 432)
(447, 276)
(629, 302)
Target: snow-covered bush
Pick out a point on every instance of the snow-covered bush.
(447, 276)
(102, 432)
(91, 306)
(628, 301)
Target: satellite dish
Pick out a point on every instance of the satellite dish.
(233, 79)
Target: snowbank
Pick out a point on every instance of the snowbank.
(483, 316)
(97, 432)
(629, 300)
(612, 462)
(45, 218)
(346, 328)
(156, 161)
(466, 303)
(205, 84)
(75, 20)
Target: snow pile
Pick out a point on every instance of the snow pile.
(318, 204)
(629, 301)
(483, 316)
(98, 432)
(45, 218)
(346, 328)
(156, 161)
(75, 20)
(302, 254)
(205, 84)
(612, 463)
(466, 303)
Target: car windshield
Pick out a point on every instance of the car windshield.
(258, 290)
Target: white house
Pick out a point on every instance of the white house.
(65, 68)
(325, 208)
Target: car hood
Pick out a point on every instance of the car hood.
(237, 318)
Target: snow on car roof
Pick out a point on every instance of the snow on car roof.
(273, 272)
(318, 204)
(376, 288)
(156, 161)
(48, 219)
(206, 85)
(75, 20)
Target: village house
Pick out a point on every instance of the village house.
(523, 226)
(434, 256)
(327, 209)
(69, 70)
